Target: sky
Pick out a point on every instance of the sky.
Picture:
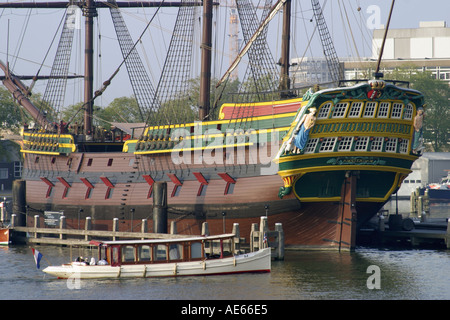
(26, 54)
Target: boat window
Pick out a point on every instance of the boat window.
(327, 145)
(175, 252)
(128, 254)
(403, 146)
(160, 252)
(144, 253)
(355, 110)
(339, 110)
(324, 111)
(311, 145)
(369, 110)
(391, 145)
(345, 144)
(377, 144)
(383, 110)
(407, 114)
(397, 110)
(196, 250)
(361, 144)
(115, 255)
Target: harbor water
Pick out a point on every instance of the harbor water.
(366, 274)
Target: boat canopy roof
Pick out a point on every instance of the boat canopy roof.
(166, 240)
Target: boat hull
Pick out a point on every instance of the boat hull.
(437, 194)
(307, 223)
(259, 261)
(4, 236)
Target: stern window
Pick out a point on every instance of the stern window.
(355, 110)
(324, 111)
(340, 110)
(369, 110)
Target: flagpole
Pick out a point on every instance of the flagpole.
(42, 256)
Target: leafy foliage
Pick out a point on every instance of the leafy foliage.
(437, 109)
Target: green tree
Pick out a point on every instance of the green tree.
(12, 116)
(437, 109)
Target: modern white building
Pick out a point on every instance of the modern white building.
(425, 48)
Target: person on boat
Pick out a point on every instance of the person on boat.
(418, 130)
(305, 125)
(102, 262)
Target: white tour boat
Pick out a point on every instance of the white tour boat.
(190, 256)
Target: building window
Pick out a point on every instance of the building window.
(369, 110)
(3, 173)
(324, 111)
(355, 110)
(18, 166)
(345, 144)
(327, 145)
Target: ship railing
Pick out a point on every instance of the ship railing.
(344, 83)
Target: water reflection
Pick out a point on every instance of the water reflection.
(303, 275)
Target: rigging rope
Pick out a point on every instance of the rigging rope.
(108, 81)
(140, 81)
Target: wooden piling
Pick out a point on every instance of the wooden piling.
(173, 227)
(19, 201)
(87, 226)
(115, 227)
(236, 240)
(160, 207)
(36, 225)
(62, 225)
(254, 238)
(205, 229)
(263, 230)
(280, 247)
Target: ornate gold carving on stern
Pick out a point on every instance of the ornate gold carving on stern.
(288, 184)
(377, 87)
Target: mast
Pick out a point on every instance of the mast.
(377, 74)
(89, 11)
(205, 76)
(285, 48)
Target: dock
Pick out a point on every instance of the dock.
(406, 231)
(82, 237)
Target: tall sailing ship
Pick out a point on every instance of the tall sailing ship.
(322, 163)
